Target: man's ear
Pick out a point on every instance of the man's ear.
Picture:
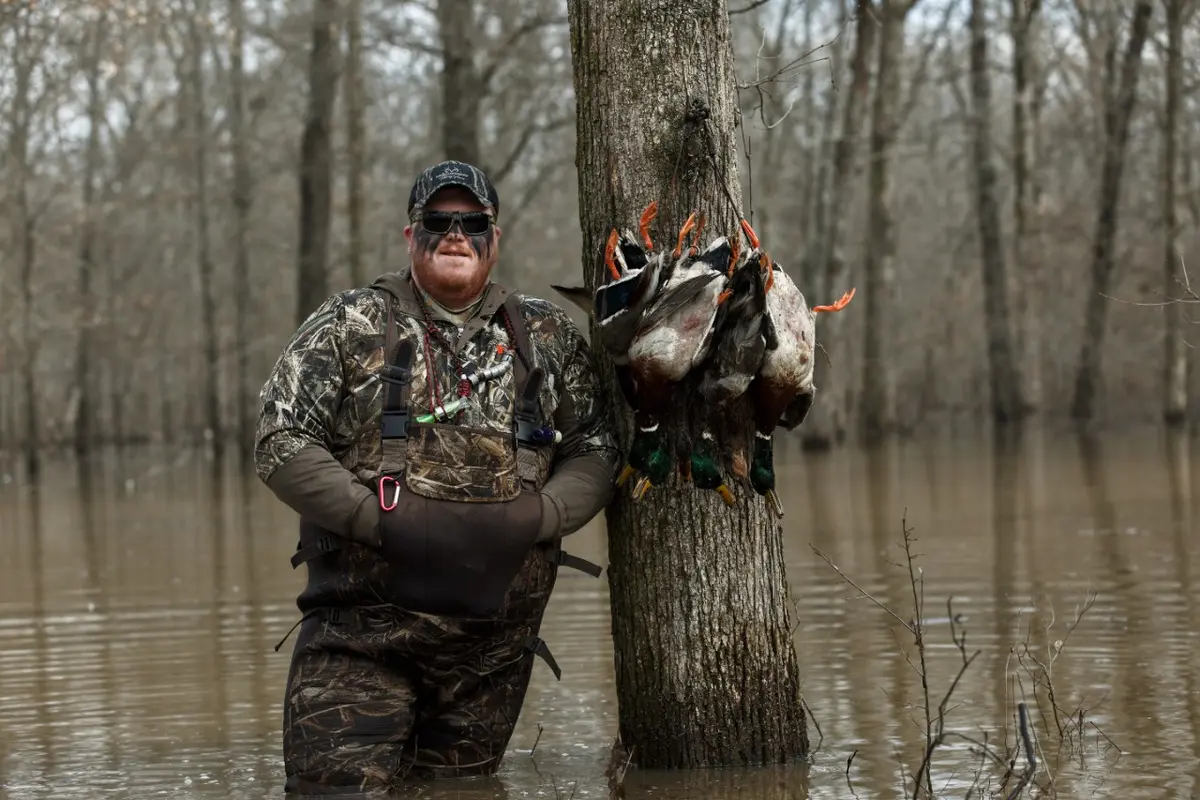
(408, 233)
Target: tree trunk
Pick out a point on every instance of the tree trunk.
(356, 146)
(829, 419)
(706, 669)
(1007, 405)
(85, 377)
(24, 236)
(460, 81)
(242, 201)
(316, 162)
(204, 264)
(1175, 386)
(1117, 115)
(1025, 269)
(877, 401)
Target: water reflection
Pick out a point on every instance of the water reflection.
(140, 597)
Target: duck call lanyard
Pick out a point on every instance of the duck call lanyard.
(460, 368)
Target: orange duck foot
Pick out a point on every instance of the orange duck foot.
(644, 223)
(696, 236)
(751, 236)
(683, 232)
(839, 305)
(610, 251)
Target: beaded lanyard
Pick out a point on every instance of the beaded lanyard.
(431, 329)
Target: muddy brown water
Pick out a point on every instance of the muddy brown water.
(140, 601)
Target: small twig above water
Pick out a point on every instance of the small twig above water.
(1030, 755)
(817, 725)
(537, 739)
(850, 785)
(860, 590)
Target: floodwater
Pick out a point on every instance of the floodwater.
(140, 600)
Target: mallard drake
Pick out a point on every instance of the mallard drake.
(674, 338)
(782, 391)
(741, 331)
(618, 306)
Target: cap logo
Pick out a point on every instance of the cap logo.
(454, 172)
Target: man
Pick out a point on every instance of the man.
(438, 435)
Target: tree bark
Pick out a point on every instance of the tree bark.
(204, 262)
(242, 202)
(706, 668)
(356, 145)
(1027, 332)
(85, 376)
(316, 162)
(1117, 115)
(877, 401)
(460, 81)
(1175, 383)
(1007, 405)
(829, 419)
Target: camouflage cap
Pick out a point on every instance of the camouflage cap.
(453, 173)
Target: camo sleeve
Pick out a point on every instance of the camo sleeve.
(584, 416)
(581, 478)
(300, 400)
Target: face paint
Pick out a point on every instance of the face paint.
(426, 243)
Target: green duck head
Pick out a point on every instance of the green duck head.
(762, 467)
(706, 474)
(649, 455)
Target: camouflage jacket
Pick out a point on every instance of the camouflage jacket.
(318, 444)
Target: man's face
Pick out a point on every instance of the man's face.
(453, 267)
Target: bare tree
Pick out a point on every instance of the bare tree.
(461, 91)
(1025, 113)
(705, 666)
(877, 399)
(197, 18)
(242, 203)
(86, 393)
(1007, 404)
(316, 161)
(24, 224)
(830, 418)
(774, 110)
(1175, 379)
(356, 145)
(1117, 115)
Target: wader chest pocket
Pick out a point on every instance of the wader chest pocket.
(471, 465)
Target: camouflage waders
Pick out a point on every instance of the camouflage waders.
(414, 657)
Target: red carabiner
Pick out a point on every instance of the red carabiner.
(395, 495)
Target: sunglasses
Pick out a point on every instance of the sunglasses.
(472, 223)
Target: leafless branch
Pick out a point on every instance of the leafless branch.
(750, 7)
(527, 134)
(503, 50)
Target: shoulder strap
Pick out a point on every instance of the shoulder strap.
(528, 377)
(397, 374)
(520, 333)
